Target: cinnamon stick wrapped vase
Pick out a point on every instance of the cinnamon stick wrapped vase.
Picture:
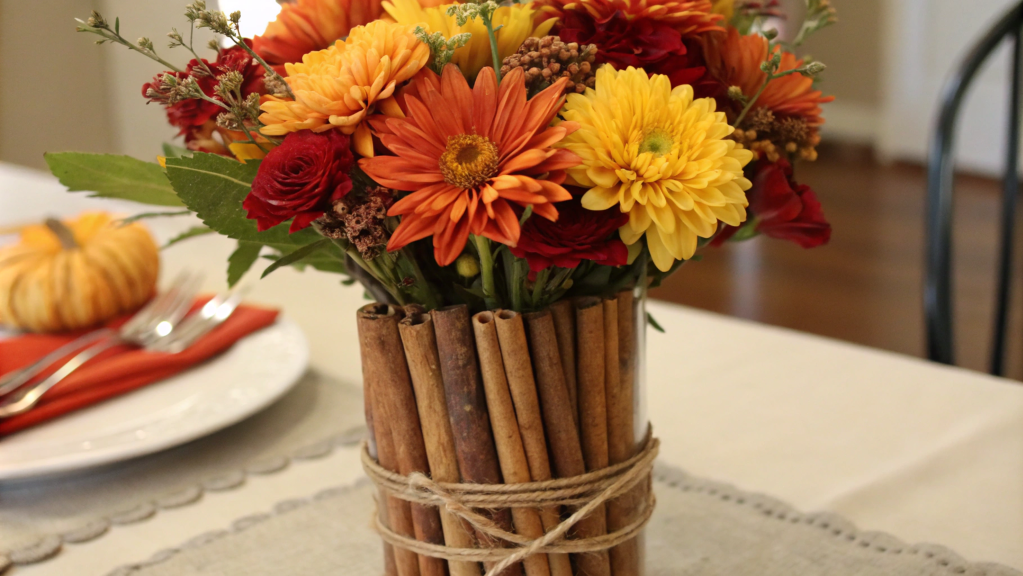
(488, 461)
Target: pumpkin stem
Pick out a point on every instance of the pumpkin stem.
(63, 233)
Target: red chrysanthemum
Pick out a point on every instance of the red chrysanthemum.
(579, 234)
(781, 208)
(195, 118)
(685, 16)
(646, 43)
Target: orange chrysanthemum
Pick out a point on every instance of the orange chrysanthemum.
(340, 86)
(735, 60)
(686, 16)
(309, 25)
(468, 155)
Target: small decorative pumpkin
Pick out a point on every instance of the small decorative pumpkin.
(76, 274)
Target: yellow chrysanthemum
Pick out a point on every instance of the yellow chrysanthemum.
(515, 23)
(658, 155)
(338, 87)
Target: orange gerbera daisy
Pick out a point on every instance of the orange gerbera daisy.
(686, 16)
(735, 60)
(308, 25)
(468, 155)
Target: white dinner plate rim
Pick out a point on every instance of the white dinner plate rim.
(83, 460)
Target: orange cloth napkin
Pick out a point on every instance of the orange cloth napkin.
(120, 369)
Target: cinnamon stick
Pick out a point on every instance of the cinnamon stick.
(397, 512)
(419, 341)
(618, 379)
(590, 367)
(564, 327)
(393, 395)
(467, 408)
(562, 434)
(511, 335)
(510, 452)
(390, 567)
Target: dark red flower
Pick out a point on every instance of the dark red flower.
(192, 115)
(781, 208)
(643, 43)
(578, 234)
(300, 179)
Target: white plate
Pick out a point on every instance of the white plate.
(251, 375)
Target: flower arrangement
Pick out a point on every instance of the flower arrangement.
(492, 154)
(503, 179)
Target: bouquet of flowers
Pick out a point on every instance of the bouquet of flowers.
(504, 179)
(497, 155)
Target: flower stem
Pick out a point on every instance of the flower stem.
(422, 291)
(493, 47)
(486, 271)
(749, 105)
(240, 41)
(517, 283)
(540, 286)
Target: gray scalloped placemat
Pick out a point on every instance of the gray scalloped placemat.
(700, 527)
(38, 516)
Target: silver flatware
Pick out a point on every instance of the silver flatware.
(157, 324)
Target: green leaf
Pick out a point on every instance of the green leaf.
(145, 215)
(656, 326)
(174, 151)
(241, 260)
(296, 256)
(112, 176)
(190, 233)
(214, 187)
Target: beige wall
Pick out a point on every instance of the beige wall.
(852, 51)
(60, 91)
(51, 82)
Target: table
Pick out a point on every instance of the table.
(897, 444)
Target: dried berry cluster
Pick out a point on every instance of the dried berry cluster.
(359, 218)
(546, 59)
(767, 136)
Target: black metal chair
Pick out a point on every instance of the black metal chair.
(940, 176)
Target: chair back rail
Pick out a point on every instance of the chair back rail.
(938, 283)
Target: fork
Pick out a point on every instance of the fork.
(160, 315)
(149, 327)
(194, 327)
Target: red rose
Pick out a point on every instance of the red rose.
(781, 208)
(192, 114)
(579, 234)
(300, 179)
(642, 43)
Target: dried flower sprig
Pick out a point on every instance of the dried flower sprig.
(819, 15)
(228, 26)
(485, 12)
(441, 48)
(770, 67)
(98, 25)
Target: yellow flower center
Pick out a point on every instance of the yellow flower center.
(658, 142)
(468, 160)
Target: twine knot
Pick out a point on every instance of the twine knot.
(585, 493)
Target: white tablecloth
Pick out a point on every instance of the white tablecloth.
(924, 452)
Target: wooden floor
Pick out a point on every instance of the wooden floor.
(866, 285)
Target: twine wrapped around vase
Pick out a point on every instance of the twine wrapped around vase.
(590, 491)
